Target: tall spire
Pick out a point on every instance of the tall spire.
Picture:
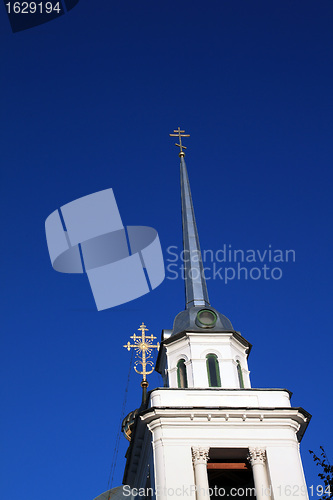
(195, 283)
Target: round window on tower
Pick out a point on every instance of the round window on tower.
(206, 318)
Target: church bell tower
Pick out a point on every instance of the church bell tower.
(207, 433)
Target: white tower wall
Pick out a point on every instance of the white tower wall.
(194, 347)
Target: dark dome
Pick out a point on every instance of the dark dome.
(127, 424)
(114, 494)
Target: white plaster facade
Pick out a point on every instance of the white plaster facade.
(194, 347)
(179, 421)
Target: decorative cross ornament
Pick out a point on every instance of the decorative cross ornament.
(180, 133)
(143, 346)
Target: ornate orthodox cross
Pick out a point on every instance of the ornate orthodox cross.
(143, 346)
(180, 133)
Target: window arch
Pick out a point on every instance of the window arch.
(240, 374)
(213, 370)
(181, 374)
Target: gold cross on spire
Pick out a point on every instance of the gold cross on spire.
(180, 133)
(143, 346)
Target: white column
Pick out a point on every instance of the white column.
(257, 457)
(199, 458)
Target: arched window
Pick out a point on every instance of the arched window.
(181, 374)
(240, 375)
(213, 370)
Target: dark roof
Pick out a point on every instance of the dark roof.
(186, 320)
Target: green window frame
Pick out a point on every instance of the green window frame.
(240, 374)
(213, 370)
(182, 374)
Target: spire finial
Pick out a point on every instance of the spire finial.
(180, 133)
(143, 346)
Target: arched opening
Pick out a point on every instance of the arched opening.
(181, 374)
(240, 375)
(213, 371)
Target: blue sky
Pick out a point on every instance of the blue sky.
(88, 101)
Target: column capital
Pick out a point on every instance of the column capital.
(199, 454)
(257, 456)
